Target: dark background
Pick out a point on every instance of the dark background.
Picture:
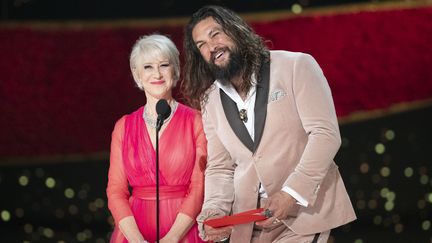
(126, 9)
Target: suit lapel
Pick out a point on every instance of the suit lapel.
(231, 113)
(261, 103)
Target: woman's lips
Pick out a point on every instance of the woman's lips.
(158, 82)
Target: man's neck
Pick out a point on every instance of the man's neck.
(236, 82)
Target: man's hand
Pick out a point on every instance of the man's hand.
(217, 234)
(282, 206)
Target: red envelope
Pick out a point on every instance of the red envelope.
(240, 218)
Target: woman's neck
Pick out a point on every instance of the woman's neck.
(151, 105)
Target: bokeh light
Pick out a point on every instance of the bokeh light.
(364, 168)
(296, 8)
(424, 179)
(429, 197)
(5, 215)
(23, 180)
(384, 192)
(426, 225)
(69, 193)
(28, 228)
(100, 203)
(379, 148)
(385, 171)
(389, 205)
(377, 220)
(372, 204)
(50, 182)
(389, 135)
(73, 209)
(48, 233)
(408, 172)
(399, 228)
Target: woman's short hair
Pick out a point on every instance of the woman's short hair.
(152, 46)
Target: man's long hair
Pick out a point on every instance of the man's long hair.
(197, 74)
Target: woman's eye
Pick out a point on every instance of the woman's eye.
(215, 34)
(147, 67)
(165, 65)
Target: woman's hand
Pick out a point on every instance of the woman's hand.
(130, 230)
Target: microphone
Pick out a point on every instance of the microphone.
(163, 111)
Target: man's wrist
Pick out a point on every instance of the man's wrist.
(299, 199)
(203, 216)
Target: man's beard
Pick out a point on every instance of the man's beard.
(231, 69)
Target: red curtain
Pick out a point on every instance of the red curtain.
(62, 89)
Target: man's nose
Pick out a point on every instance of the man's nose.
(212, 45)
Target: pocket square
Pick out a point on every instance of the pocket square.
(276, 95)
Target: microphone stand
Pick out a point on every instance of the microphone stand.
(159, 123)
(163, 110)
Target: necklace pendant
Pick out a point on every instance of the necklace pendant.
(243, 115)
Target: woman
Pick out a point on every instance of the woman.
(154, 62)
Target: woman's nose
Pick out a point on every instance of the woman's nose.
(158, 73)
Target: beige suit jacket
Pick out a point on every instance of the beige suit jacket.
(296, 139)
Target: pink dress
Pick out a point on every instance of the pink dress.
(182, 161)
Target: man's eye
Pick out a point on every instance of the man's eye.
(215, 33)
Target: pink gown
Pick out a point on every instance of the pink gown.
(182, 161)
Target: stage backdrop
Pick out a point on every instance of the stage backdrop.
(63, 86)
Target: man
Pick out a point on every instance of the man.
(272, 134)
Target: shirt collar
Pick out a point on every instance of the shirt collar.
(229, 89)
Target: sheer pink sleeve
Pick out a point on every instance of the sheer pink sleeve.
(192, 204)
(117, 189)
